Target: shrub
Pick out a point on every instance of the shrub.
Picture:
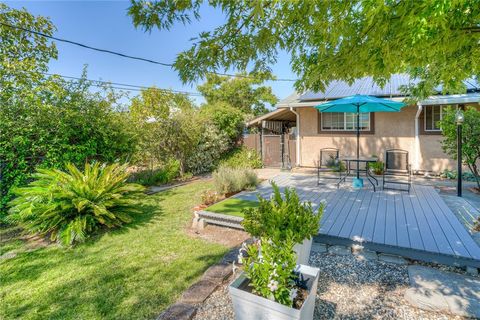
(69, 205)
(229, 180)
(209, 197)
(163, 175)
(242, 157)
(281, 219)
(377, 167)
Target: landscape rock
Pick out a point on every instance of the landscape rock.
(218, 272)
(319, 247)
(472, 271)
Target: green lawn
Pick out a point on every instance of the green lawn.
(131, 273)
(232, 206)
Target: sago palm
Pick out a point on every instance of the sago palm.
(69, 205)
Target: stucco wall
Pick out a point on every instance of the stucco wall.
(392, 130)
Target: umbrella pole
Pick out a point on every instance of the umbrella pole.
(358, 140)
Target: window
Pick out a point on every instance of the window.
(341, 121)
(433, 114)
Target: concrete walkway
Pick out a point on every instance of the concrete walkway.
(435, 290)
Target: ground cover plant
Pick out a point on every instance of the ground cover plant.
(70, 205)
(242, 157)
(131, 273)
(232, 206)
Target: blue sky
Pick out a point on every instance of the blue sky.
(105, 24)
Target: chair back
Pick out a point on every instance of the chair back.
(328, 157)
(396, 160)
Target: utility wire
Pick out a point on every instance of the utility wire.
(132, 87)
(126, 55)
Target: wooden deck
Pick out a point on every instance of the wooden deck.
(417, 225)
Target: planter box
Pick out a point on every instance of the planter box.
(303, 251)
(250, 306)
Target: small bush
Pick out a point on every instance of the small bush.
(242, 157)
(209, 197)
(283, 218)
(336, 165)
(163, 175)
(69, 205)
(228, 180)
(377, 167)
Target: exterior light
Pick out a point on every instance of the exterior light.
(459, 117)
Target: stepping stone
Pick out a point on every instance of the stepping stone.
(178, 311)
(340, 250)
(441, 291)
(319, 247)
(390, 258)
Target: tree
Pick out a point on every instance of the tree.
(227, 119)
(434, 41)
(470, 138)
(243, 93)
(166, 126)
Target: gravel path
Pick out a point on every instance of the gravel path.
(348, 289)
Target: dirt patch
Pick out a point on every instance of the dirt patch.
(227, 236)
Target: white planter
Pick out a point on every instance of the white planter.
(249, 306)
(303, 251)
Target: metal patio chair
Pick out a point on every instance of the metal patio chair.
(329, 163)
(397, 169)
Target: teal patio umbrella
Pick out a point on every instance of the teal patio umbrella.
(360, 104)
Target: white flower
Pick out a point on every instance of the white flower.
(293, 293)
(272, 285)
(240, 258)
(274, 273)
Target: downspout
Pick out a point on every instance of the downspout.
(297, 142)
(417, 137)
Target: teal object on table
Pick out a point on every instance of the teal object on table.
(360, 104)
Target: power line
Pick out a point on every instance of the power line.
(86, 46)
(115, 85)
(126, 55)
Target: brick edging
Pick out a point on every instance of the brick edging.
(186, 307)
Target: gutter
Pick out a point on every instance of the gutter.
(297, 142)
(417, 137)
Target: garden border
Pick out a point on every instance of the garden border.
(220, 219)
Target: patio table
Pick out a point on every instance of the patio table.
(366, 160)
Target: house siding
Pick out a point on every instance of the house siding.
(392, 130)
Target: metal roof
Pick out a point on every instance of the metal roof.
(366, 86)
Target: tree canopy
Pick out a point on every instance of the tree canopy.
(436, 42)
(246, 94)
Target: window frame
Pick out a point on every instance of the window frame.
(345, 130)
(433, 124)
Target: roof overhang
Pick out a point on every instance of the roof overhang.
(452, 99)
(280, 114)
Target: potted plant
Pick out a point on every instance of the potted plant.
(273, 286)
(285, 217)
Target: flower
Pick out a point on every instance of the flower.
(293, 293)
(272, 285)
(240, 258)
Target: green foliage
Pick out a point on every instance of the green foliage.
(377, 167)
(270, 268)
(435, 41)
(44, 120)
(226, 118)
(470, 138)
(283, 218)
(245, 94)
(210, 147)
(229, 180)
(242, 157)
(165, 174)
(336, 165)
(71, 205)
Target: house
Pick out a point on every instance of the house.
(293, 134)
